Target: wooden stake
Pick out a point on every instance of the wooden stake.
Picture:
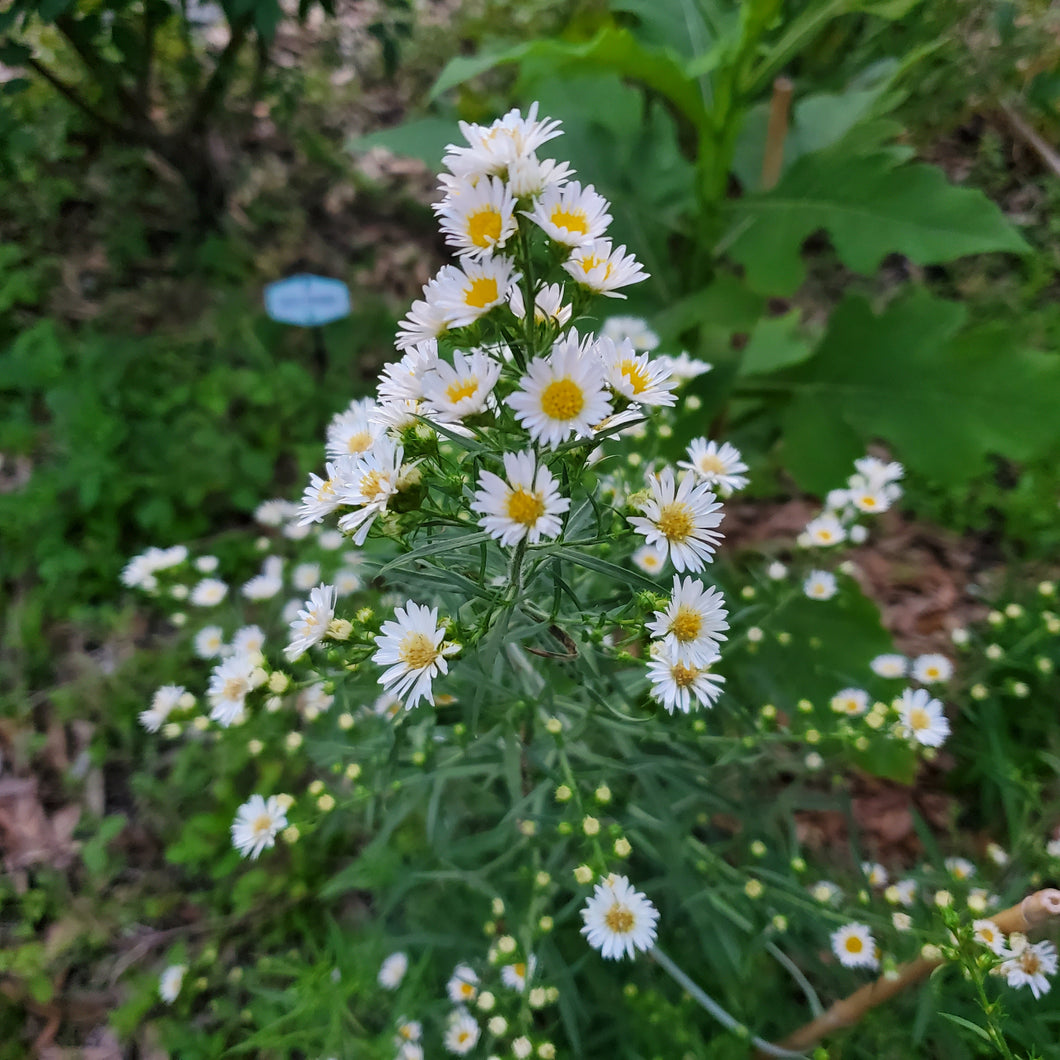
(776, 132)
(1035, 911)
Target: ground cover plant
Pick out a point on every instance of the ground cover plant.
(513, 738)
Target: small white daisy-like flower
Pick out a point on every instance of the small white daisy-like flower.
(346, 581)
(353, 431)
(1030, 965)
(274, 512)
(684, 368)
(931, 669)
(404, 379)
(650, 558)
(561, 394)
(425, 320)
(693, 623)
(516, 975)
(820, 585)
(603, 270)
(826, 892)
(258, 822)
(209, 642)
(305, 576)
(170, 982)
(903, 892)
(959, 868)
(372, 481)
(674, 683)
(527, 505)
(618, 919)
(531, 177)
(988, 933)
(825, 530)
(413, 649)
(460, 389)
(477, 218)
(890, 665)
(493, 148)
(467, 293)
(320, 498)
(208, 593)
(680, 517)
(851, 701)
(262, 587)
(463, 985)
(461, 1033)
(720, 465)
(408, 1031)
(571, 215)
(875, 873)
(636, 329)
(923, 717)
(311, 625)
(165, 700)
(393, 970)
(634, 375)
(548, 304)
(855, 947)
(410, 1051)
(230, 684)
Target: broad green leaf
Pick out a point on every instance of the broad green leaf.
(943, 399)
(614, 50)
(775, 343)
(870, 208)
(424, 138)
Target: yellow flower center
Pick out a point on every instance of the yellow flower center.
(360, 442)
(417, 651)
(619, 919)
(462, 1036)
(326, 490)
(1030, 962)
(463, 389)
(481, 292)
(262, 823)
(686, 623)
(519, 969)
(711, 464)
(467, 990)
(824, 536)
(919, 719)
(676, 521)
(868, 501)
(637, 376)
(484, 227)
(524, 507)
(372, 484)
(932, 672)
(683, 675)
(571, 220)
(562, 399)
(235, 688)
(853, 944)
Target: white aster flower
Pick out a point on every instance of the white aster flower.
(721, 465)
(493, 148)
(680, 517)
(674, 683)
(561, 394)
(988, 933)
(413, 649)
(571, 215)
(891, 665)
(634, 375)
(477, 218)
(393, 970)
(959, 868)
(930, 669)
(208, 593)
(855, 947)
(165, 700)
(170, 982)
(875, 873)
(305, 576)
(1031, 965)
(408, 1031)
(209, 642)
(548, 304)
(274, 512)
(635, 329)
(346, 581)
(903, 892)
(684, 368)
(464, 294)
(453, 391)
(515, 976)
(618, 919)
(692, 625)
(372, 481)
(403, 380)
(230, 683)
(319, 498)
(531, 177)
(851, 701)
(425, 320)
(207, 564)
(825, 530)
(603, 270)
(258, 822)
(826, 892)
(311, 625)
(353, 431)
(923, 717)
(463, 985)
(462, 1032)
(262, 587)
(527, 505)
(650, 558)
(410, 1051)
(820, 585)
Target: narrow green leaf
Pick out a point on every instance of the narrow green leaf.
(435, 548)
(622, 575)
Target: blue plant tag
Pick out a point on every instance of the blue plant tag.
(307, 301)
